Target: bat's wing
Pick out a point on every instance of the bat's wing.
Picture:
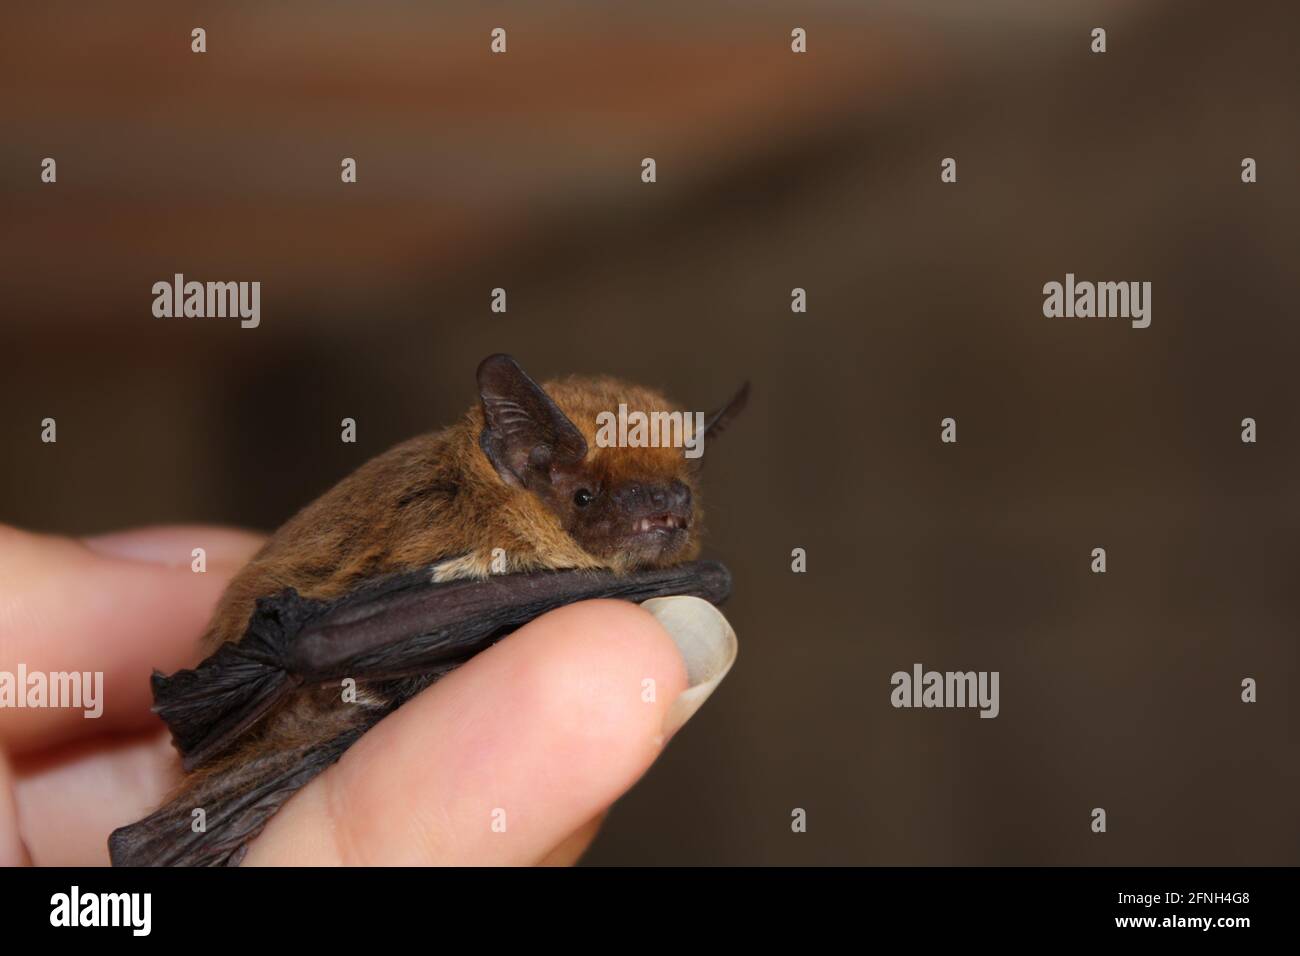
(212, 823)
(400, 626)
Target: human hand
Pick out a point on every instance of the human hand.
(550, 726)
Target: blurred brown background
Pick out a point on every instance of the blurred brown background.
(775, 170)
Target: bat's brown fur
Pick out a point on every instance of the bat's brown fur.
(436, 499)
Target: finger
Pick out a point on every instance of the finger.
(575, 845)
(507, 756)
(117, 606)
(12, 850)
(70, 799)
(173, 545)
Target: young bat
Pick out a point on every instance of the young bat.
(402, 571)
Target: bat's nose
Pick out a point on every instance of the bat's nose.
(676, 497)
(643, 496)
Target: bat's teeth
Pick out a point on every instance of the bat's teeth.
(666, 521)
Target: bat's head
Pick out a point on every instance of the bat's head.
(615, 464)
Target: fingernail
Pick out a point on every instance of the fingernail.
(707, 644)
(174, 546)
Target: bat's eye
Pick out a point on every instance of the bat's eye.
(582, 497)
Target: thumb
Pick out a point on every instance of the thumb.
(509, 755)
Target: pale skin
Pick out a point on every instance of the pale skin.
(550, 726)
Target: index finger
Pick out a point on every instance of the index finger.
(113, 608)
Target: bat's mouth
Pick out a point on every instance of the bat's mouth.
(664, 522)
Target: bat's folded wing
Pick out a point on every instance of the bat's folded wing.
(398, 626)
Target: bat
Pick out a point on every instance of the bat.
(404, 570)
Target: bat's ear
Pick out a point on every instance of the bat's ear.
(716, 423)
(524, 431)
